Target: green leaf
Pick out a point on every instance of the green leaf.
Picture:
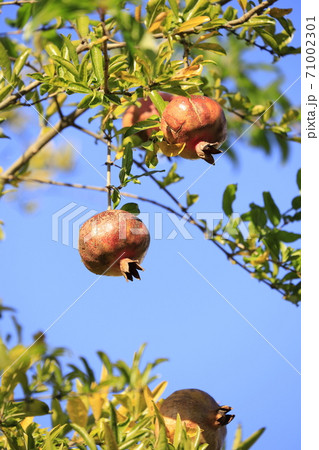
(85, 101)
(158, 101)
(287, 236)
(127, 159)
(228, 198)
(3, 135)
(97, 62)
(139, 126)
(258, 216)
(20, 61)
(33, 408)
(216, 48)
(82, 25)
(5, 62)
(178, 431)
(195, 8)
(67, 65)
(80, 88)
(85, 435)
(109, 438)
(173, 4)
(296, 202)
(249, 442)
(271, 209)
(259, 21)
(153, 8)
(237, 438)
(162, 441)
(116, 197)
(230, 13)
(191, 199)
(299, 179)
(131, 208)
(5, 91)
(52, 49)
(268, 39)
(72, 52)
(171, 177)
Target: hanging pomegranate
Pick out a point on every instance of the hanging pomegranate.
(114, 243)
(197, 121)
(197, 408)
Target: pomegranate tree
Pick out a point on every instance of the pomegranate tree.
(197, 121)
(114, 243)
(197, 408)
(136, 113)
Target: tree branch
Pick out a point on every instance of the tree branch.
(18, 2)
(245, 17)
(83, 186)
(14, 97)
(41, 142)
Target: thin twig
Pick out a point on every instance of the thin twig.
(245, 17)
(84, 186)
(18, 2)
(253, 43)
(41, 141)
(14, 97)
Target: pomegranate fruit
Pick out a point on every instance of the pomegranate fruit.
(197, 121)
(197, 408)
(135, 114)
(114, 243)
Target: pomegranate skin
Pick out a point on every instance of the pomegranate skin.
(114, 243)
(197, 121)
(135, 114)
(197, 408)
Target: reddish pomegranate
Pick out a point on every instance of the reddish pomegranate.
(114, 243)
(197, 121)
(135, 114)
(197, 408)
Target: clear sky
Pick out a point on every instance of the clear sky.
(222, 331)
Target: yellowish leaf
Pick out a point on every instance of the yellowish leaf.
(137, 13)
(157, 22)
(77, 411)
(127, 77)
(158, 390)
(188, 72)
(198, 59)
(96, 401)
(26, 422)
(206, 36)
(190, 24)
(243, 4)
(170, 149)
(149, 400)
(260, 259)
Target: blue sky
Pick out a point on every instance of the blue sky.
(222, 331)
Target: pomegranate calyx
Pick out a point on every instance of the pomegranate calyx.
(129, 268)
(205, 150)
(221, 418)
